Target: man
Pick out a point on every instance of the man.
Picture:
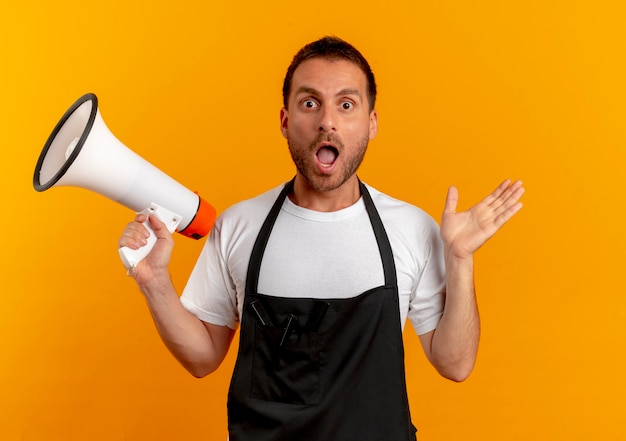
(321, 274)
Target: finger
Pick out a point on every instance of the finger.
(506, 215)
(511, 205)
(141, 218)
(498, 192)
(159, 227)
(512, 189)
(132, 239)
(509, 198)
(134, 235)
(452, 199)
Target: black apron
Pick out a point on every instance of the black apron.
(320, 369)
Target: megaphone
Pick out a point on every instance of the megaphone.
(82, 152)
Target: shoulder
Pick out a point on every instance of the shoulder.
(396, 213)
(249, 210)
(414, 237)
(243, 220)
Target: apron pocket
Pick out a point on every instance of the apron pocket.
(287, 373)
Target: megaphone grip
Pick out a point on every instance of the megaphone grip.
(131, 258)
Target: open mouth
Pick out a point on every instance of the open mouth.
(327, 155)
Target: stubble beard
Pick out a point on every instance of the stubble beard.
(306, 167)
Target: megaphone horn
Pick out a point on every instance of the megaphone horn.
(82, 152)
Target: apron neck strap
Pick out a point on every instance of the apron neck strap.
(254, 267)
(384, 246)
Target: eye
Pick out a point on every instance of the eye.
(309, 104)
(347, 105)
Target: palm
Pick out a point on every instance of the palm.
(465, 232)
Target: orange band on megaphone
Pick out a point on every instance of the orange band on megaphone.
(202, 222)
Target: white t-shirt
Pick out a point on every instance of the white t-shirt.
(319, 255)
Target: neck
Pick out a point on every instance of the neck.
(342, 197)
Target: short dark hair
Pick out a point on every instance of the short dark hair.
(331, 48)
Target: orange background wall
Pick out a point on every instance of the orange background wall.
(470, 93)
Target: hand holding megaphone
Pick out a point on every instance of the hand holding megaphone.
(149, 235)
(131, 257)
(82, 152)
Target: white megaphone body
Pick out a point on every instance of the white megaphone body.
(82, 152)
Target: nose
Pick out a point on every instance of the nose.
(328, 119)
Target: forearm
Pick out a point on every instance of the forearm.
(185, 336)
(455, 341)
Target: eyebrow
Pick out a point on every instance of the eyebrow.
(313, 91)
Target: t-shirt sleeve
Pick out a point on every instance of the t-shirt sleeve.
(427, 302)
(210, 293)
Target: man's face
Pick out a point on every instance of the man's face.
(328, 123)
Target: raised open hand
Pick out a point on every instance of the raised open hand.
(465, 232)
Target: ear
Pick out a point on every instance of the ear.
(284, 121)
(373, 124)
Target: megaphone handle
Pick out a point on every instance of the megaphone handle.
(130, 258)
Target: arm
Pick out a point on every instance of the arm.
(200, 347)
(453, 346)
